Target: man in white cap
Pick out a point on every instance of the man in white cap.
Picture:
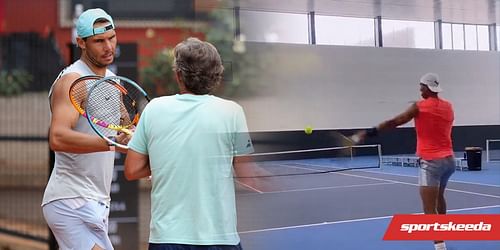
(77, 197)
(433, 122)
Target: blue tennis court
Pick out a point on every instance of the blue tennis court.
(352, 209)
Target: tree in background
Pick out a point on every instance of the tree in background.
(240, 67)
(158, 77)
(14, 82)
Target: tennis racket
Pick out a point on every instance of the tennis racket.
(355, 138)
(342, 140)
(79, 89)
(114, 105)
(78, 93)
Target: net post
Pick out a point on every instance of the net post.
(379, 149)
(487, 150)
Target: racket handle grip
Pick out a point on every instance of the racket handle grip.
(127, 131)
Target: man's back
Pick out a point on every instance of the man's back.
(433, 125)
(191, 140)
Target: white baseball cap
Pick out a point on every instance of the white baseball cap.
(432, 81)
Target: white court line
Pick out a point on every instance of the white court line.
(472, 208)
(374, 178)
(321, 188)
(413, 184)
(249, 187)
(353, 220)
(451, 180)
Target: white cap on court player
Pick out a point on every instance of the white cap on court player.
(432, 81)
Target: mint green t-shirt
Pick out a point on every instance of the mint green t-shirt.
(191, 141)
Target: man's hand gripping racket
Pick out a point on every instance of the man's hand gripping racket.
(114, 106)
(361, 136)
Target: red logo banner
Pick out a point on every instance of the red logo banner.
(444, 227)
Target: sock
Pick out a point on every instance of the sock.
(440, 246)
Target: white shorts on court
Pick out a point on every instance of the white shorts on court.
(78, 228)
(436, 173)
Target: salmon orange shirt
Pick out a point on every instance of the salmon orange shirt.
(433, 125)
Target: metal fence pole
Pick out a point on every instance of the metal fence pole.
(52, 240)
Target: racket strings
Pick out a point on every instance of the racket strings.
(78, 92)
(113, 106)
(105, 104)
(134, 102)
(117, 103)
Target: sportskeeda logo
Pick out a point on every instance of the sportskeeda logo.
(450, 227)
(444, 227)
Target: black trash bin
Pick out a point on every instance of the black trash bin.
(473, 155)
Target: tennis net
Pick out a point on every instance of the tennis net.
(309, 161)
(492, 150)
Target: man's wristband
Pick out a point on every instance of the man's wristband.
(372, 132)
(111, 146)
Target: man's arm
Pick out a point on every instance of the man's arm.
(136, 165)
(398, 120)
(62, 136)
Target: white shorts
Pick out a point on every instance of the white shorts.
(80, 228)
(436, 173)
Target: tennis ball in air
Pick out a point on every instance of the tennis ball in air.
(308, 130)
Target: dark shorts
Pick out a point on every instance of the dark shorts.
(166, 246)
